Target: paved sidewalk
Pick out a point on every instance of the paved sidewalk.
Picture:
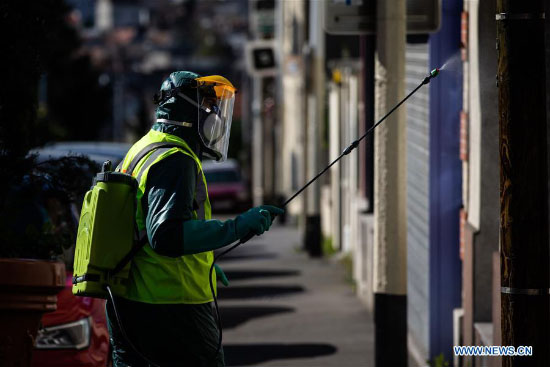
(284, 309)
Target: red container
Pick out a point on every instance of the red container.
(28, 289)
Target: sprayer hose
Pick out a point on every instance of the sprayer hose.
(123, 332)
(346, 151)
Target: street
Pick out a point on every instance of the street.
(284, 309)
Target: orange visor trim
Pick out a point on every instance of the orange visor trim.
(222, 86)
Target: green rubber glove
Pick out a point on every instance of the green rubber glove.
(257, 220)
(221, 275)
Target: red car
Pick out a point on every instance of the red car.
(75, 334)
(226, 188)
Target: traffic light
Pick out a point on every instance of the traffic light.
(261, 58)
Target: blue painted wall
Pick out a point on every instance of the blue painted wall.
(445, 183)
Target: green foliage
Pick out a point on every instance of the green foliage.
(34, 243)
(326, 246)
(439, 361)
(71, 175)
(36, 219)
(347, 261)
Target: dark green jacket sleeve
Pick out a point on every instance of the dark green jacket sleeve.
(168, 205)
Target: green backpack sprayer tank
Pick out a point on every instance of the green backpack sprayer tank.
(105, 234)
(107, 237)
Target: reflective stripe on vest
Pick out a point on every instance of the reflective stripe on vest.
(161, 279)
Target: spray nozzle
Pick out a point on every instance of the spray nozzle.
(433, 74)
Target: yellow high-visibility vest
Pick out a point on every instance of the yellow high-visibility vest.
(156, 278)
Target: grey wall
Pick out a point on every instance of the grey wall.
(417, 58)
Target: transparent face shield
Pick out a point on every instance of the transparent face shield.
(215, 113)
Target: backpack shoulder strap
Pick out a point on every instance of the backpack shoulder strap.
(138, 245)
(146, 150)
(141, 237)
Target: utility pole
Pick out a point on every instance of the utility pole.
(257, 142)
(524, 253)
(390, 191)
(316, 109)
(257, 127)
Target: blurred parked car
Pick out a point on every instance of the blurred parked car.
(226, 189)
(76, 333)
(96, 151)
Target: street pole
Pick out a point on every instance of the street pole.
(257, 126)
(315, 107)
(524, 252)
(257, 139)
(390, 191)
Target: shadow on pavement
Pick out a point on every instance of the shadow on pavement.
(251, 256)
(247, 274)
(233, 316)
(251, 354)
(247, 292)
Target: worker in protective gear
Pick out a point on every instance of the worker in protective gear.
(167, 311)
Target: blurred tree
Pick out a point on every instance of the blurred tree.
(37, 40)
(27, 32)
(77, 105)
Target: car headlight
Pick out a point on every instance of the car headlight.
(74, 335)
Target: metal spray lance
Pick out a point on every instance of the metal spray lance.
(348, 150)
